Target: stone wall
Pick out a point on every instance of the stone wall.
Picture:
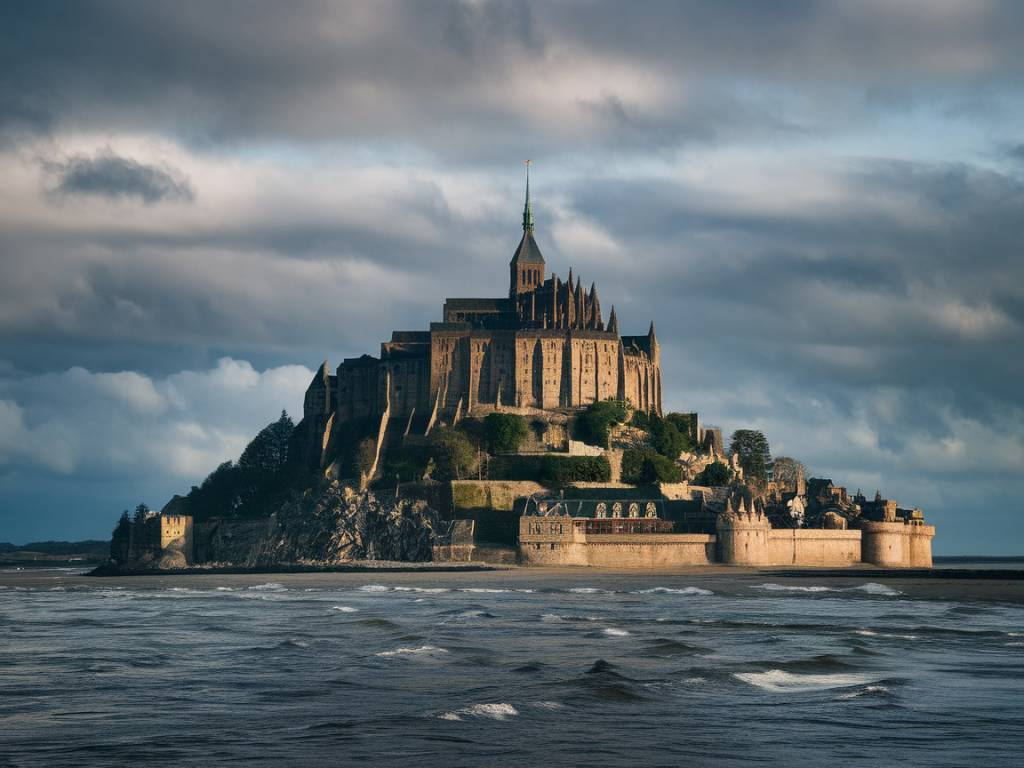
(556, 541)
(492, 494)
(897, 545)
(807, 546)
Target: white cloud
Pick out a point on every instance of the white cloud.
(100, 424)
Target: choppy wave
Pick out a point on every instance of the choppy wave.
(499, 711)
(344, 608)
(674, 591)
(589, 591)
(871, 588)
(781, 681)
(868, 690)
(272, 586)
(423, 650)
(615, 632)
(890, 635)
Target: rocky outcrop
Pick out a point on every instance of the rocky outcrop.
(329, 524)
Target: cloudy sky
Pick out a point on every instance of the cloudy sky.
(820, 205)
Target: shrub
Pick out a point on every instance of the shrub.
(714, 474)
(504, 432)
(641, 466)
(407, 463)
(453, 454)
(641, 420)
(557, 471)
(593, 426)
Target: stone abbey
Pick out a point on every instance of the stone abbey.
(632, 496)
(545, 346)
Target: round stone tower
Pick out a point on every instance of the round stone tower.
(742, 535)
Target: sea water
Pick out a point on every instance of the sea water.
(458, 669)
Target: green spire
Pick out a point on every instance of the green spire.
(528, 207)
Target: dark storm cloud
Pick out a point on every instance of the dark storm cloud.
(108, 175)
(213, 71)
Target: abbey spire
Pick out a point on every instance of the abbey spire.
(528, 206)
(526, 270)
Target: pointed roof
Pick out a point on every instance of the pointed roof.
(527, 251)
(613, 321)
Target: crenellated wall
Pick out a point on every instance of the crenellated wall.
(897, 545)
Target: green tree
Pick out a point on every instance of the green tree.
(504, 432)
(268, 451)
(754, 455)
(666, 438)
(557, 471)
(641, 420)
(453, 454)
(684, 422)
(714, 475)
(642, 466)
(594, 425)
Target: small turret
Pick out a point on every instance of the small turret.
(595, 309)
(613, 322)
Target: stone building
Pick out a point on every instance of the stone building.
(544, 346)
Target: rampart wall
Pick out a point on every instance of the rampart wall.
(807, 546)
(897, 545)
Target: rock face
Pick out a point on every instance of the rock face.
(329, 524)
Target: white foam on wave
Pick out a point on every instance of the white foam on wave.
(695, 680)
(780, 681)
(793, 588)
(615, 632)
(423, 650)
(1015, 634)
(500, 711)
(271, 586)
(873, 588)
(1017, 644)
(551, 618)
(484, 590)
(866, 691)
(225, 589)
(674, 591)
(344, 608)
(587, 590)
(384, 588)
(873, 633)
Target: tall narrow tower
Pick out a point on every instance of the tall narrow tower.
(526, 270)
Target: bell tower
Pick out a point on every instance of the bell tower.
(526, 270)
